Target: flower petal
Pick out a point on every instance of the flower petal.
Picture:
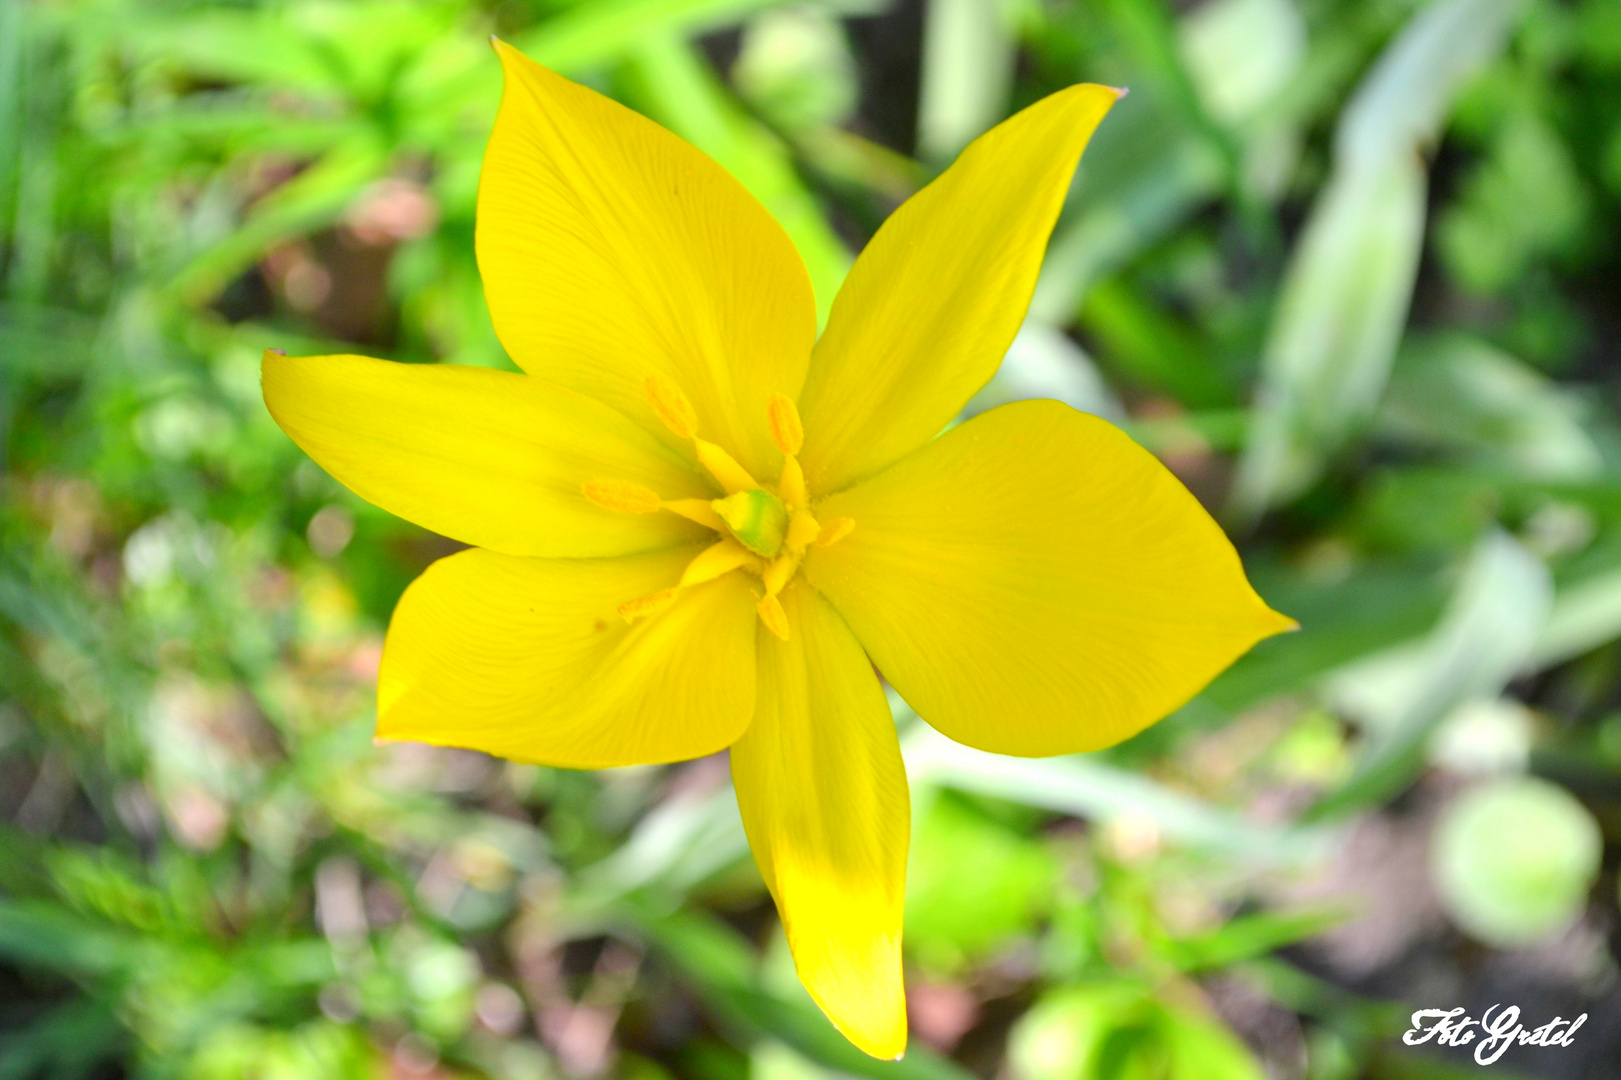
(612, 250)
(933, 303)
(823, 793)
(490, 458)
(1033, 582)
(529, 659)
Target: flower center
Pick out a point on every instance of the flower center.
(762, 531)
(757, 518)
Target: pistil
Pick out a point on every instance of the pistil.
(715, 560)
(724, 468)
(757, 518)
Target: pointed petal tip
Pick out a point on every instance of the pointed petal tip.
(1120, 91)
(1279, 623)
(506, 52)
(269, 357)
(880, 1030)
(891, 1046)
(964, 496)
(891, 1049)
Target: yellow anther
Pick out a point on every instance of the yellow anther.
(802, 530)
(771, 613)
(835, 530)
(698, 510)
(791, 485)
(715, 560)
(780, 572)
(786, 430)
(671, 405)
(643, 606)
(621, 495)
(724, 468)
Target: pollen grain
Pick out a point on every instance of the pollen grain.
(787, 431)
(644, 606)
(671, 406)
(623, 496)
(834, 531)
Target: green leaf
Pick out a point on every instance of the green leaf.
(1144, 174)
(1403, 103)
(587, 34)
(1339, 319)
(1462, 395)
(1250, 936)
(1586, 610)
(312, 200)
(1065, 1035)
(43, 935)
(1152, 348)
(1342, 619)
(1202, 1048)
(1526, 202)
(1084, 786)
(1241, 53)
(1348, 287)
(65, 1043)
(968, 53)
(1118, 1031)
(796, 68)
(1485, 637)
(972, 884)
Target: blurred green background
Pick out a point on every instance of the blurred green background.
(1351, 268)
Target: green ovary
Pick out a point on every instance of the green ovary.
(757, 518)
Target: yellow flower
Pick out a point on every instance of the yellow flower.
(695, 525)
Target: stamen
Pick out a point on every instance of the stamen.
(835, 530)
(802, 530)
(724, 468)
(713, 561)
(643, 606)
(791, 485)
(776, 620)
(780, 572)
(786, 430)
(671, 405)
(621, 495)
(698, 510)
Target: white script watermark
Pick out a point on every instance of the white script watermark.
(1454, 1027)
